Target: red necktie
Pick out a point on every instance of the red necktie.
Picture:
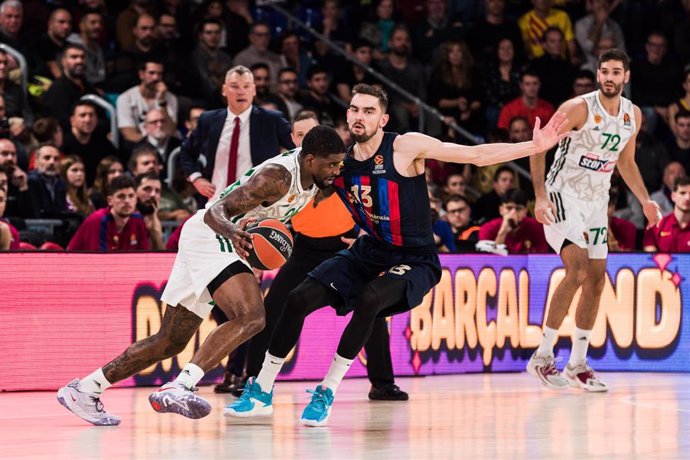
(232, 157)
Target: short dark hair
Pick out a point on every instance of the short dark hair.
(286, 70)
(141, 67)
(260, 65)
(119, 183)
(518, 118)
(45, 128)
(614, 54)
(362, 43)
(514, 195)
(72, 46)
(681, 114)
(549, 30)
(681, 182)
(322, 141)
(306, 114)
(214, 21)
(455, 198)
(501, 169)
(529, 72)
(315, 69)
(588, 74)
(81, 103)
(139, 178)
(378, 93)
(138, 151)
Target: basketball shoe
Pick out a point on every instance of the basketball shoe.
(319, 408)
(582, 376)
(544, 368)
(176, 398)
(252, 402)
(85, 405)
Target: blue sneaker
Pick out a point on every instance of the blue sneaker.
(252, 403)
(319, 408)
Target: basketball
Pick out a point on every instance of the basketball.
(271, 244)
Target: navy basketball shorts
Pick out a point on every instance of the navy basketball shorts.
(351, 269)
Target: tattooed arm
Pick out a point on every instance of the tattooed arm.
(265, 187)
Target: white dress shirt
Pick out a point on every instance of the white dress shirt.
(244, 157)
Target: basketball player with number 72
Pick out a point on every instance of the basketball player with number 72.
(211, 268)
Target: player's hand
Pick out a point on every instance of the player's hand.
(652, 212)
(241, 239)
(204, 187)
(544, 211)
(348, 241)
(548, 136)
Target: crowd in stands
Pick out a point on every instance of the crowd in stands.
(488, 66)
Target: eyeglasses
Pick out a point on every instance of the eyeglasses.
(458, 210)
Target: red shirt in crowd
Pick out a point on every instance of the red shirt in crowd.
(528, 237)
(98, 233)
(668, 236)
(624, 232)
(517, 108)
(14, 244)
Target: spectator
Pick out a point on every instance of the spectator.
(443, 235)
(672, 234)
(144, 159)
(501, 80)
(489, 32)
(127, 20)
(288, 86)
(264, 95)
(117, 227)
(533, 24)
(48, 190)
(605, 43)
(90, 34)
(15, 100)
(86, 140)
(193, 115)
(11, 18)
(258, 51)
(655, 67)
(335, 28)
(352, 74)
(663, 196)
(46, 130)
(407, 73)
(150, 93)
(293, 56)
(143, 49)
(437, 28)
(622, 234)
(528, 105)
(554, 89)
(19, 202)
(238, 21)
(70, 87)
(487, 206)
(9, 236)
(209, 63)
(597, 24)
(679, 150)
(379, 28)
(148, 191)
(520, 233)
(318, 96)
(682, 105)
(258, 135)
(108, 169)
(651, 157)
(169, 47)
(453, 89)
(584, 83)
(459, 216)
(51, 44)
(455, 185)
(158, 137)
(72, 173)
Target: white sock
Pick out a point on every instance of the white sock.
(190, 375)
(337, 371)
(547, 341)
(269, 372)
(578, 353)
(95, 382)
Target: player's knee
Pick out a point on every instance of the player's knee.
(300, 299)
(252, 318)
(368, 304)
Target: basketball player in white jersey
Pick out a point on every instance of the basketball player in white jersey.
(210, 267)
(572, 205)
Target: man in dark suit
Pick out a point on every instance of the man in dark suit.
(233, 139)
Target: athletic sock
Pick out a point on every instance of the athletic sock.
(547, 341)
(337, 371)
(95, 382)
(190, 375)
(269, 372)
(578, 353)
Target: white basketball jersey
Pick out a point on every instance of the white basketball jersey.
(290, 204)
(586, 159)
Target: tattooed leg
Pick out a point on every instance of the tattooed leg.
(178, 327)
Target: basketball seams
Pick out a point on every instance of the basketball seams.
(278, 226)
(266, 253)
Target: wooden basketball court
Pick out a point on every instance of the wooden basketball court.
(461, 416)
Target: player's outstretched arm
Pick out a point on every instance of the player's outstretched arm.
(632, 177)
(423, 146)
(265, 187)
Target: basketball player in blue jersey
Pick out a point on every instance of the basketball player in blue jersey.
(389, 270)
(572, 204)
(211, 268)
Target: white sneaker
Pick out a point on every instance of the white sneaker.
(85, 405)
(582, 376)
(176, 398)
(544, 368)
